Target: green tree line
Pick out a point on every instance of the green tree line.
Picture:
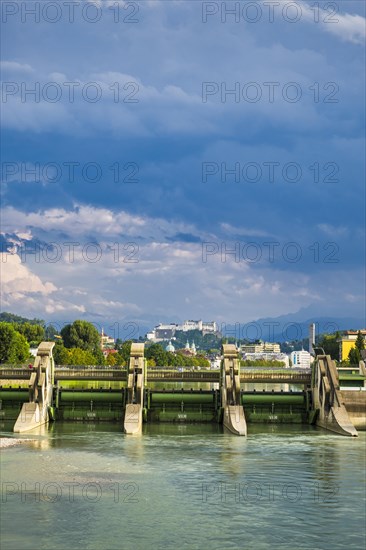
(261, 363)
(79, 344)
(157, 356)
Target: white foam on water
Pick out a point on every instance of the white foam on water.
(11, 441)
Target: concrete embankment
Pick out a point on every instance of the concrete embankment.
(355, 403)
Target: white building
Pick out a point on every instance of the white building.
(215, 363)
(209, 327)
(261, 347)
(301, 359)
(167, 331)
(106, 341)
(198, 325)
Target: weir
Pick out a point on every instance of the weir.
(328, 402)
(233, 411)
(135, 391)
(37, 411)
(322, 396)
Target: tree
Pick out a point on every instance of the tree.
(6, 339)
(156, 352)
(72, 356)
(85, 336)
(262, 363)
(11, 318)
(111, 359)
(77, 356)
(50, 332)
(124, 350)
(60, 354)
(330, 345)
(33, 333)
(14, 348)
(202, 361)
(120, 361)
(354, 356)
(360, 342)
(20, 351)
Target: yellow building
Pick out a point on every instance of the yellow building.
(347, 342)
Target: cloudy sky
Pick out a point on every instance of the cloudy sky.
(165, 160)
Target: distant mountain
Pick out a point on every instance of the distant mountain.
(290, 327)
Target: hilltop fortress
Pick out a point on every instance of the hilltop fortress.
(167, 332)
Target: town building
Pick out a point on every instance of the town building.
(170, 347)
(301, 359)
(261, 347)
(189, 350)
(347, 342)
(215, 361)
(106, 342)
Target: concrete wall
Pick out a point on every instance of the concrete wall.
(355, 403)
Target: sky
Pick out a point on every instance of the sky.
(171, 160)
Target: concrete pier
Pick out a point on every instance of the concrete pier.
(135, 391)
(328, 402)
(233, 418)
(36, 411)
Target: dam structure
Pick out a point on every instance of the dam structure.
(235, 397)
(38, 409)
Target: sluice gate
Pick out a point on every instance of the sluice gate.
(276, 407)
(135, 395)
(182, 405)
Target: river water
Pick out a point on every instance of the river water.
(183, 487)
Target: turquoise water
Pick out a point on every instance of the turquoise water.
(183, 486)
